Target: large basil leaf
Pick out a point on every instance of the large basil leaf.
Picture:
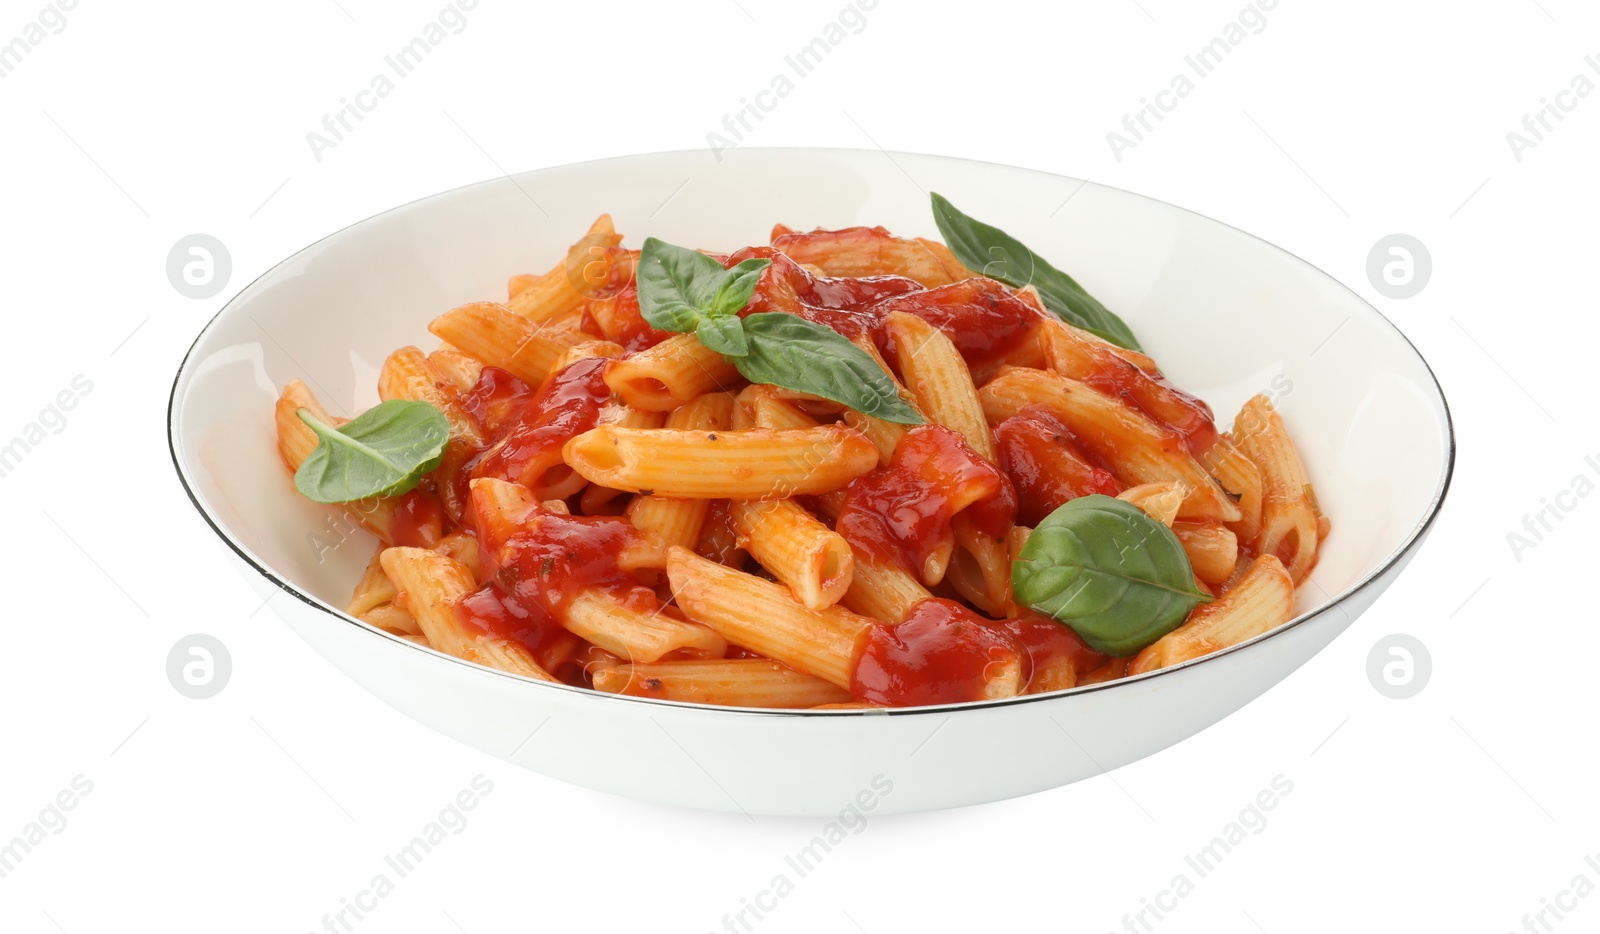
(789, 351)
(676, 285)
(991, 252)
(1107, 569)
(382, 452)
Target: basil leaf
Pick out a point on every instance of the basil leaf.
(1104, 567)
(676, 285)
(789, 351)
(738, 284)
(724, 334)
(382, 452)
(990, 251)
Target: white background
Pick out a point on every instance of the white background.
(260, 809)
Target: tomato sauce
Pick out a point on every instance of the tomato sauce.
(901, 513)
(941, 653)
(980, 316)
(1043, 460)
(537, 569)
(1050, 645)
(568, 405)
(495, 399)
(846, 305)
(417, 520)
(1163, 402)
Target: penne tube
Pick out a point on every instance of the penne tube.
(753, 463)
(886, 436)
(1082, 356)
(677, 521)
(519, 283)
(296, 440)
(1137, 449)
(881, 590)
(872, 251)
(814, 561)
(938, 377)
(585, 350)
(429, 585)
(407, 374)
(1240, 476)
(1262, 599)
(1110, 671)
(641, 635)
(670, 374)
(496, 335)
(1161, 501)
(1290, 520)
(983, 566)
(765, 618)
(1212, 548)
(373, 600)
(559, 291)
(731, 682)
(461, 370)
(760, 406)
(718, 541)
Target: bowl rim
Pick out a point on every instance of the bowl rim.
(1382, 569)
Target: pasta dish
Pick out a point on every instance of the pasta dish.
(841, 469)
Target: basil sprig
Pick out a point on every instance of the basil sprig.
(384, 451)
(991, 252)
(1105, 568)
(685, 291)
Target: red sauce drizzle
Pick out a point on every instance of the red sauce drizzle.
(1163, 402)
(901, 513)
(1044, 461)
(940, 653)
(417, 520)
(980, 316)
(846, 305)
(568, 405)
(540, 567)
(495, 399)
(1047, 642)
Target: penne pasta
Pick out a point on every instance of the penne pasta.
(1289, 514)
(753, 463)
(731, 682)
(764, 617)
(814, 561)
(1212, 548)
(497, 336)
(937, 376)
(407, 374)
(461, 370)
(678, 521)
(1261, 599)
(640, 635)
(670, 374)
(1138, 450)
(429, 585)
(559, 291)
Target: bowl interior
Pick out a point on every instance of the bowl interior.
(1225, 314)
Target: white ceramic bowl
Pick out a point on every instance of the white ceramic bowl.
(1225, 314)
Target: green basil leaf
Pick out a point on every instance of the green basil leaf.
(991, 252)
(738, 284)
(1104, 567)
(384, 451)
(676, 285)
(789, 351)
(724, 334)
